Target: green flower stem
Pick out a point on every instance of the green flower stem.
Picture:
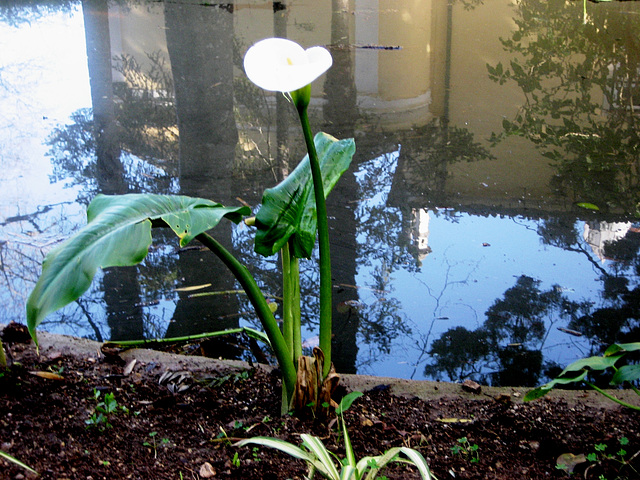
(323, 239)
(283, 355)
(611, 397)
(287, 300)
(295, 308)
(291, 302)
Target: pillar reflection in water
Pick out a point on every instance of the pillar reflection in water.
(341, 113)
(120, 285)
(198, 41)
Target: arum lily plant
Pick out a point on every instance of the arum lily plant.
(118, 231)
(280, 65)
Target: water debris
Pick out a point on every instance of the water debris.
(560, 289)
(147, 304)
(189, 248)
(575, 333)
(588, 206)
(357, 287)
(379, 47)
(192, 288)
(241, 200)
(349, 305)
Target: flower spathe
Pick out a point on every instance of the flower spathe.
(281, 65)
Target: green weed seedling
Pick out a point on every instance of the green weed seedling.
(254, 453)
(103, 410)
(467, 450)
(620, 457)
(153, 444)
(599, 456)
(233, 378)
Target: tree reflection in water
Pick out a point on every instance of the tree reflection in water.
(580, 79)
(507, 348)
(579, 82)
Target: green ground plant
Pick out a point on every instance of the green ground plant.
(598, 456)
(329, 465)
(578, 372)
(620, 457)
(464, 448)
(154, 444)
(103, 410)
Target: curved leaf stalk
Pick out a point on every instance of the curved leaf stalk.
(249, 332)
(612, 398)
(323, 241)
(280, 348)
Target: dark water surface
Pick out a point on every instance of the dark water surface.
(485, 230)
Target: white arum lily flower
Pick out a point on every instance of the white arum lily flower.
(280, 65)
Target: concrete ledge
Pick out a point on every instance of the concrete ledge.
(53, 344)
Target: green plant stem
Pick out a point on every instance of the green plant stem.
(250, 332)
(611, 397)
(291, 302)
(287, 301)
(323, 242)
(3, 358)
(295, 308)
(282, 353)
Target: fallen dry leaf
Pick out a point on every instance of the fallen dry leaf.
(454, 420)
(48, 375)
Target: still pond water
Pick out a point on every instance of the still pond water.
(485, 229)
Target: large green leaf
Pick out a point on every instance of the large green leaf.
(622, 347)
(593, 363)
(118, 233)
(544, 389)
(289, 211)
(626, 373)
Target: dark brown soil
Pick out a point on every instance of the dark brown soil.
(160, 433)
